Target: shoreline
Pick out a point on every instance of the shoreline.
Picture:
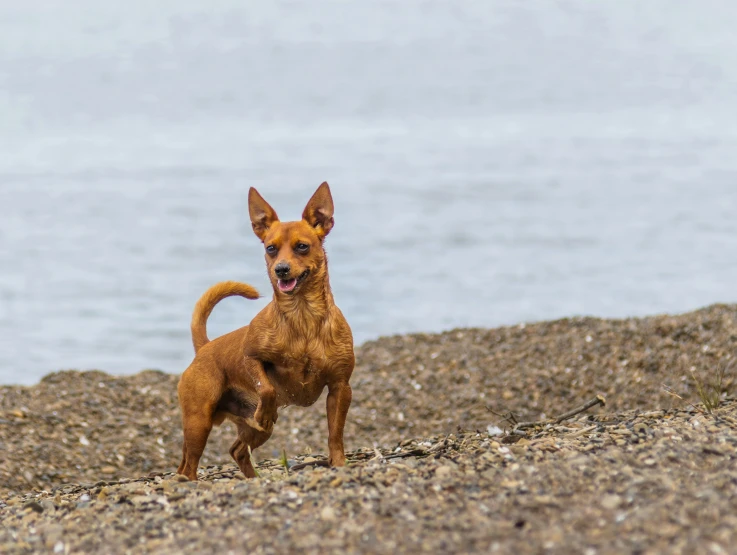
(390, 337)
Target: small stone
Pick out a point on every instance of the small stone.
(641, 428)
(181, 478)
(314, 480)
(168, 485)
(611, 502)
(327, 513)
(443, 471)
(108, 470)
(52, 533)
(33, 506)
(518, 449)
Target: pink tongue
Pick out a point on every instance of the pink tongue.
(287, 285)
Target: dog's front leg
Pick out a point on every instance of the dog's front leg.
(265, 415)
(339, 399)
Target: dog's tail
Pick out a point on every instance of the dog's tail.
(207, 302)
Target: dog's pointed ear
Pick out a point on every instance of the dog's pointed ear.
(319, 211)
(262, 214)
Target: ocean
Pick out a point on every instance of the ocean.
(491, 162)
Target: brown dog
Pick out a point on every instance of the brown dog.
(298, 344)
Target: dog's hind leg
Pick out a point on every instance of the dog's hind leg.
(196, 431)
(199, 390)
(184, 458)
(247, 438)
(240, 454)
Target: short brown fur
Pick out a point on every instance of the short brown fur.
(296, 346)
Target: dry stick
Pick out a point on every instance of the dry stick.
(508, 417)
(401, 455)
(300, 466)
(353, 457)
(598, 400)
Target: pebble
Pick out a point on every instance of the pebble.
(443, 471)
(611, 502)
(641, 428)
(33, 506)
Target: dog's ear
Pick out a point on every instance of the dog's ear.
(319, 211)
(262, 215)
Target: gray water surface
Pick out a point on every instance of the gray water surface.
(491, 163)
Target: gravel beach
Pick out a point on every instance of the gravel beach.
(435, 464)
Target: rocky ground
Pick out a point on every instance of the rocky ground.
(435, 463)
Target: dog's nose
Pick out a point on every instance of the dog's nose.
(282, 270)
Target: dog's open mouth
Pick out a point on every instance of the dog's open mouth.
(289, 285)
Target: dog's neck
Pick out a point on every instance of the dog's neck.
(308, 310)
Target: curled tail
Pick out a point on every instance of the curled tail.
(207, 302)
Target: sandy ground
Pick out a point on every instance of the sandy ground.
(88, 458)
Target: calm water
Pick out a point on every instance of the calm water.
(491, 163)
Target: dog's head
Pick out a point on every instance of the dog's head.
(294, 252)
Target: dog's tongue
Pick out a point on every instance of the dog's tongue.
(287, 285)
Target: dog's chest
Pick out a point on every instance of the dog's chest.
(299, 377)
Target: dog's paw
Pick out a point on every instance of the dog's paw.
(263, 419)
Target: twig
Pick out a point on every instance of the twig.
(403, 454)
(300, 466)
(598, 400)
(508, 417)
(363, 456)
(583, 431)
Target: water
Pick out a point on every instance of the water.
(491, 163)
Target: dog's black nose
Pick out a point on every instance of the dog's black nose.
(282, 270)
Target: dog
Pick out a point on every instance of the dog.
(296, 346)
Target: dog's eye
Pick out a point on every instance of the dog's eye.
(271, 249)
(302, 247)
